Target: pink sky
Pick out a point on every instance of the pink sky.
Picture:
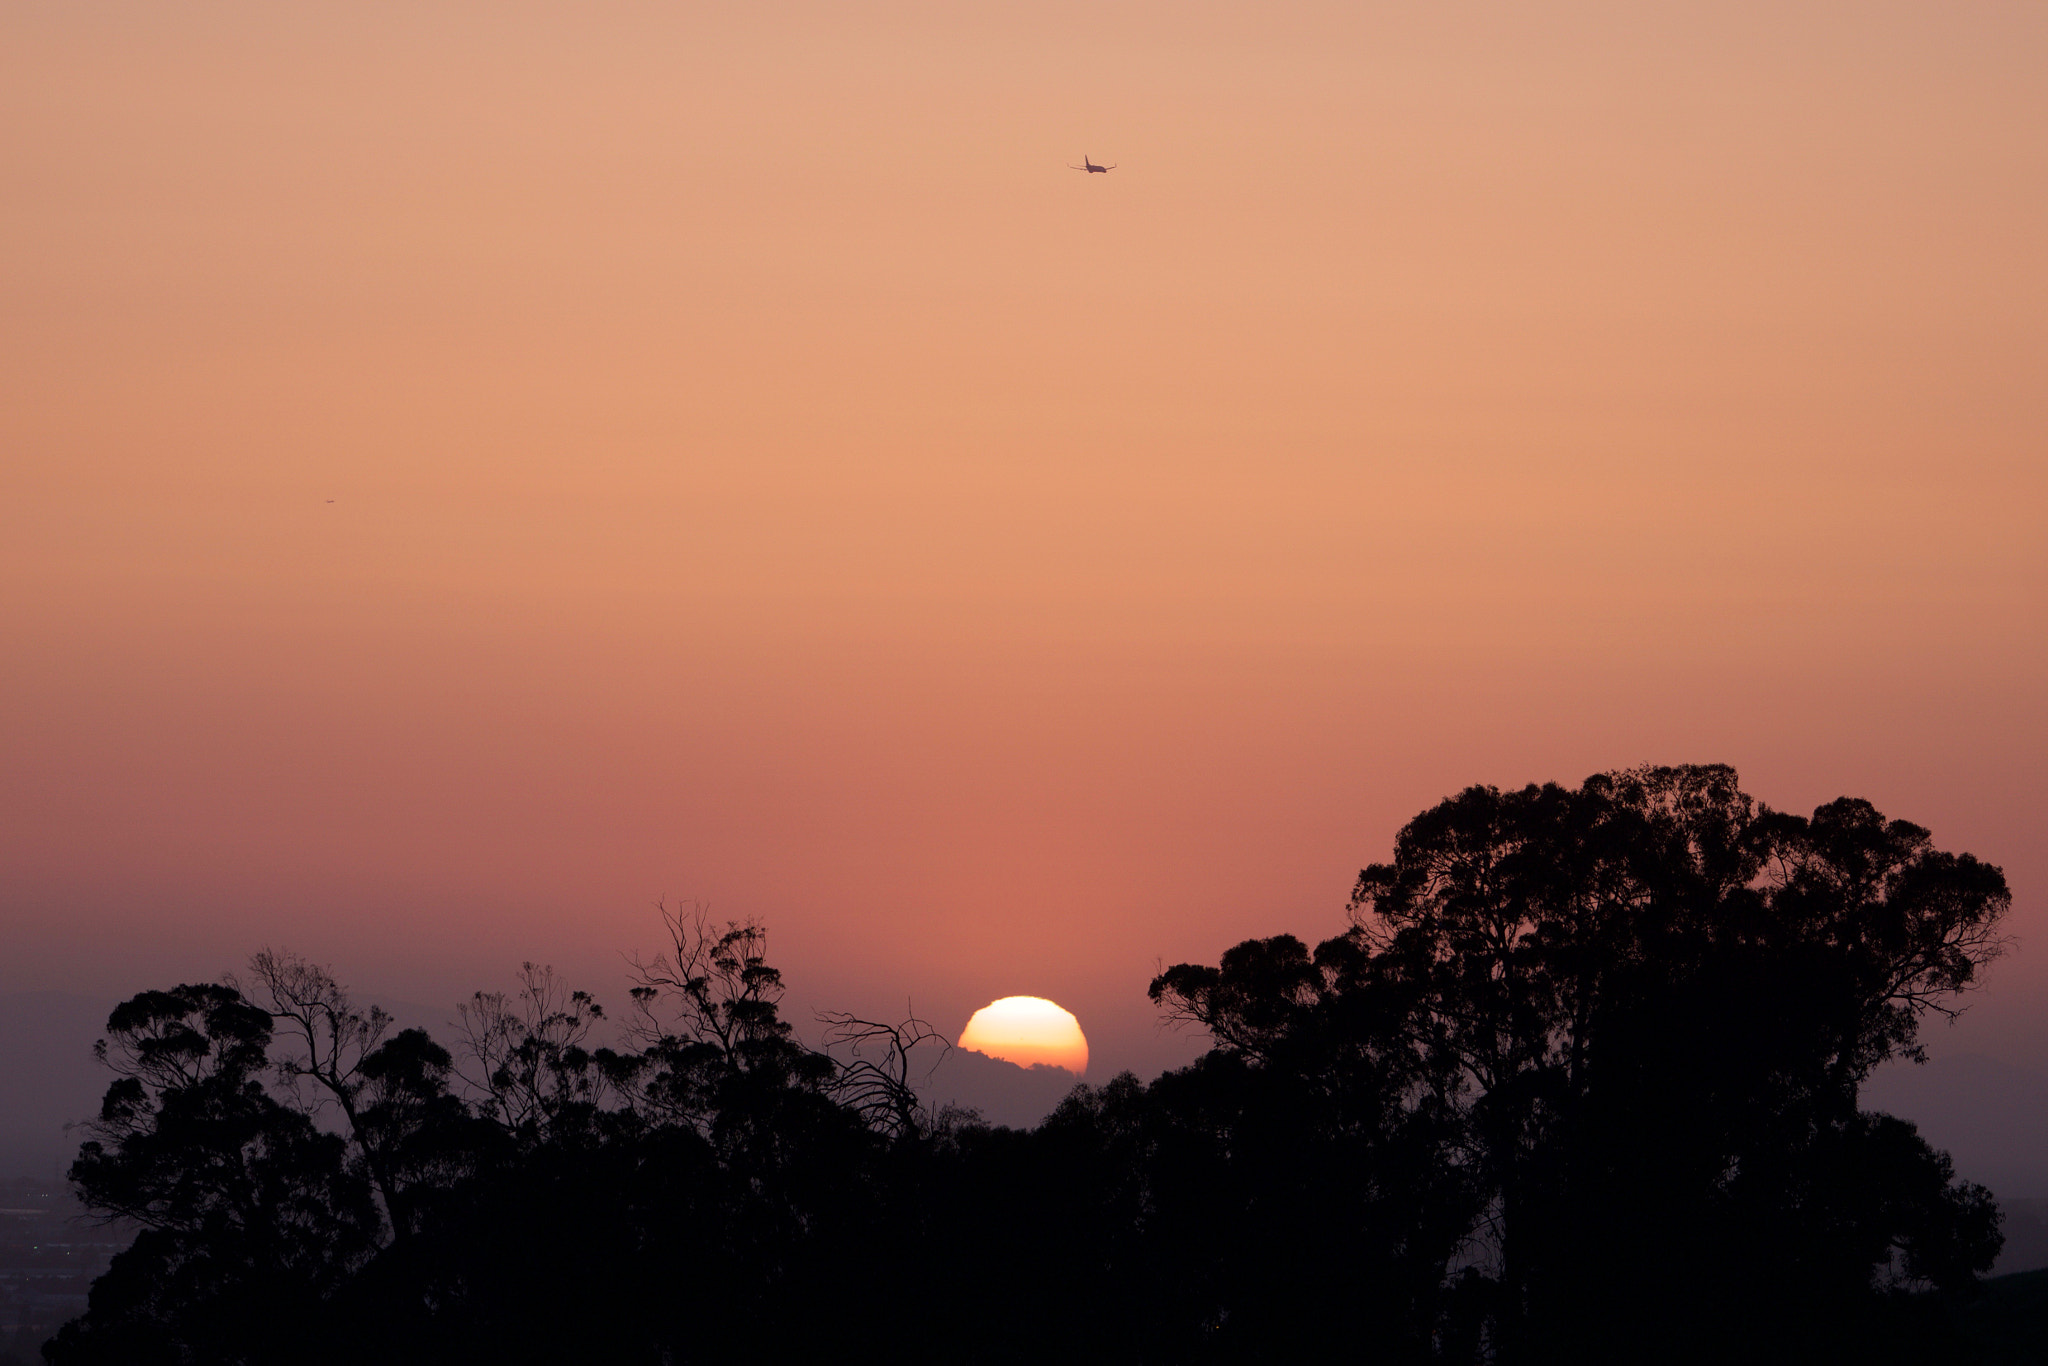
(762, 473)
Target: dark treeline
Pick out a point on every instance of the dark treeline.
(1578, 1084)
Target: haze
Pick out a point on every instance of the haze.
(470, 471)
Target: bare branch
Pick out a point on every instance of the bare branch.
(873, 1080)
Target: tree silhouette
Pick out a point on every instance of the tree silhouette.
(1650, 1002)
(251, 1216)
(1578, 1083)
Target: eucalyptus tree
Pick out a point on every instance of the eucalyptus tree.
(1647, 1005)
(251, 1216)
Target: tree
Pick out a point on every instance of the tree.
(535, 1068)
(1579, 1083)
(1314, 1158)
(251, 1216)
(709, 1021)
(259, 1219)
(1648, 1003)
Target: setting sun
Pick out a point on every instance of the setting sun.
(1028, 1030)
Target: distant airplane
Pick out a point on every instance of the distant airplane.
(1087, 165)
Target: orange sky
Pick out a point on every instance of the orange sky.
(763, 473)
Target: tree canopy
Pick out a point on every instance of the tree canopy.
(1577, 1081)
(1644, 1008)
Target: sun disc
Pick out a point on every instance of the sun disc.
(1028, 1030)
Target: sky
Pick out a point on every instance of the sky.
(469, 472)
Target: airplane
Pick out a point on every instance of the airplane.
(1087, 165)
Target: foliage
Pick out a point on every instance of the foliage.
(1642, 1010)
(1579, 1083)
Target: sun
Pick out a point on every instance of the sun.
(1027, 1030)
